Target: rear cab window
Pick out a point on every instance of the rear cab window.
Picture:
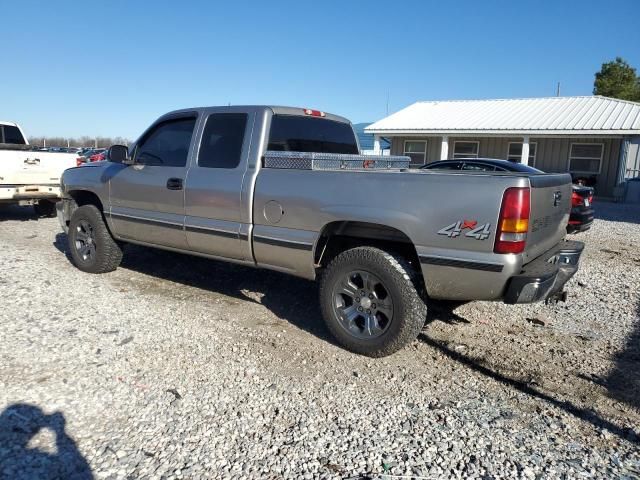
(292, 133)
(11, 134)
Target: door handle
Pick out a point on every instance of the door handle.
(174, 184)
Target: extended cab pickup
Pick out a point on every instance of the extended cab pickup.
(29, 177)
(285, 189)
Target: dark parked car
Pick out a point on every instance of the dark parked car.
(581, 216)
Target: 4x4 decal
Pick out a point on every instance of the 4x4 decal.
(479, 232)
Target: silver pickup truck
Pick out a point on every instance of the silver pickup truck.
(285, 189)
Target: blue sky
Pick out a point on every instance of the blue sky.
(110, 68)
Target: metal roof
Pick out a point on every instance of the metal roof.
(366, 139)
(592, 115)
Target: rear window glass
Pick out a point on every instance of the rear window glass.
(443, 166)
(478, 167)
(290, 133)
(11, 134)
(519, 167)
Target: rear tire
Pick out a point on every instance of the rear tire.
(45, 208)
(370, 301)
(93, 249)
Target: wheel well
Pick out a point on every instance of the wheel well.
(84, 197)
(336, 237)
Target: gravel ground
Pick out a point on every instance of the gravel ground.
(178, 367)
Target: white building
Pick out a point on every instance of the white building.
(595, 138)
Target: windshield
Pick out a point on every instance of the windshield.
(291, 133)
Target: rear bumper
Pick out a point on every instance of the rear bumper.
(580, 220)
(23, 193)
(546, 275)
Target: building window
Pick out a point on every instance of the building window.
(515, 152)
(586, 157)
(466, 149)
(417, 151)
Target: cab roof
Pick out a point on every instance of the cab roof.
(276, 109)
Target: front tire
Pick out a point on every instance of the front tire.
(93, 249)
(370, 301)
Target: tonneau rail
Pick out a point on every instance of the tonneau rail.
(333, 161)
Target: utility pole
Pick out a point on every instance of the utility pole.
(558, 90)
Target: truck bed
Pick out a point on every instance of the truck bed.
(419, 204)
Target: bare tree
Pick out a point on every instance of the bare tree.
(84, 141)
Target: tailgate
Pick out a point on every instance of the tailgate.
(550, 208)
(33, 168)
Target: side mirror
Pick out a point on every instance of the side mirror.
(119, 154)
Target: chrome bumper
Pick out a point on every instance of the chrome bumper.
(545, 277)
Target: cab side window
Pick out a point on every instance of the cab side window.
(222, 140)
(167, 144)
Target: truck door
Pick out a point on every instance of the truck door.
(147, 198)
(213, 196)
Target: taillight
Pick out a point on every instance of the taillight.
(313, 113)
(513, 223)
(576, 200)
(79, 161)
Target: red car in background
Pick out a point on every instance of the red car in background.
(93, 155)
(98, 155)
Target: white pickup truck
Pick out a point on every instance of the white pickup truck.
(29, 177)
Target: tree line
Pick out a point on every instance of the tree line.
(84, 141)
(617, 79)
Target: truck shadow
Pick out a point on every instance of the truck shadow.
(623, 384)
(623, 381)
(19, 424)
(289, 298)
(14, 212)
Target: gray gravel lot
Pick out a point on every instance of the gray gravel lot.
(179, 367)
